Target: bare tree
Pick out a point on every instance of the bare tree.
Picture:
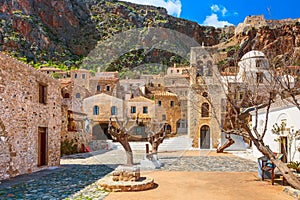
(155, 139)
(121, 135)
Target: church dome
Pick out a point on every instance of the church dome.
(253, 54)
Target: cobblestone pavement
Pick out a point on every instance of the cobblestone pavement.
(76, 178)
(64, 182)
(211, 163)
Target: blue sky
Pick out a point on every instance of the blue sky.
(219, 13)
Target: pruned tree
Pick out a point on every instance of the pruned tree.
(121, 135)
(156, 138)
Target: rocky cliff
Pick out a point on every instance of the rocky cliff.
(66, 31)
(63, 32)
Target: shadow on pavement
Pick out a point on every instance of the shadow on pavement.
(54, 183)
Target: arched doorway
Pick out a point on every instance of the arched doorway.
(205, 137)
(100, 132)
(167, 128)
(181, 126)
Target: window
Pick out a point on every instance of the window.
(96, 110)
(83, 76)
(209, 68)
(259, 77)
(76, 75)
(42, 93)
(241, 96)
(113, 110)
(205, 110)
(133, 109)
(171, 71)
(77, 95)
(258, 63)
(67, 95)
(173, 82)
(172, 103)
(205, 94)
(98, 87)
(145, 109)
(159, 103)
(177, 71)
(108, 88)
(158, 85)
(163, 117)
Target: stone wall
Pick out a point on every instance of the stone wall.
(21, 115)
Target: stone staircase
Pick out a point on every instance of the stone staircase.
(179, 143)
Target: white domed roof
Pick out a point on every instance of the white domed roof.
(253, 54)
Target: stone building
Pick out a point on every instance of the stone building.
(255, 21)
(99, 109)
(81, 77)
(140, 109)
(177, 81)
(104, 82)
(75, 124)
(204, 100)
(30, 119)
(54, 72)
(168, 111)
(131, 87)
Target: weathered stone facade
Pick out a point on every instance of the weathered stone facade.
(177, 81)
(204, 100)
(168, 110)
(30, 110)
(104, 82)
(75, 125)
(99, 109)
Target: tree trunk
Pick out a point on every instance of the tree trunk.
(128, 150)
(286, 172)
(229, 142)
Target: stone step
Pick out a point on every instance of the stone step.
(169, 144)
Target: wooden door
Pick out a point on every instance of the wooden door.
(205, 137)
(42, 146)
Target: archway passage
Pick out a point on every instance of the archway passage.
(100, 132)
(181, 126)
(167, 128)
(205, 137)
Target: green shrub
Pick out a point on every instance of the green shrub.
(68, 147)
(294, 165)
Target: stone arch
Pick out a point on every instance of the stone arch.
(100, 132)
(168, 128)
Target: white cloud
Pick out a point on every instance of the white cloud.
(215, 8)
(173, 6)
(224, 11)
(213, 20)
(219, 9)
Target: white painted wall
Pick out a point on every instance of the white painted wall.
(291, 114)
